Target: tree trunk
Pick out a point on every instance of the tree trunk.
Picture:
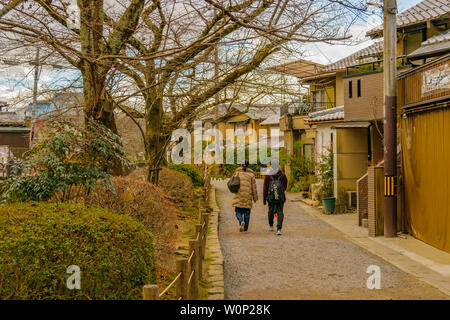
(154, 136)
(99, 108)
(96, 105)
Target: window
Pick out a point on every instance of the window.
(359, 87)
(350, 89)
(308, 152)
(319, 100)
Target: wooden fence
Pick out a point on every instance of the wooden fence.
(189, 269)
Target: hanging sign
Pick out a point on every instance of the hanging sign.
(437, 79)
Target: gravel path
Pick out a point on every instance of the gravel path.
(311, 260)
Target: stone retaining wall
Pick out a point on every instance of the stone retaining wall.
(214, 251)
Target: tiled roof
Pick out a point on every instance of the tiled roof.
(8, 119)
(443, 37)
(260, 112)
(274, 119)
(367, 54)
(327, 115)
(436, 45)
(421, 12)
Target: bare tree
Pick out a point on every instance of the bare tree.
(175, 65)
(167, 50)
(89, 45)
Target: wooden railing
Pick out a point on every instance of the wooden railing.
(189, 269)
(207, 183)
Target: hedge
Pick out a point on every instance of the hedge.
(39, 241)
(191, 171)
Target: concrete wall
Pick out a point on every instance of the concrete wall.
(412, 42)
(351, 158)
(370, 105)
(298, 123)
(309, 136)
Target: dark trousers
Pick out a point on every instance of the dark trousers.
(276, 208)
(243, 214)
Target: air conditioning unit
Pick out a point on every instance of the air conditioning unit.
(351, 199)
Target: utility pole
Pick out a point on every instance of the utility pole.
(390, 117)
(35, 94)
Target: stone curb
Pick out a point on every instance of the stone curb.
(214, 252)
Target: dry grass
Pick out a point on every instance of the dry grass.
(147, 204)
(175, 184)
(180, 191)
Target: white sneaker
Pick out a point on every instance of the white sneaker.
(279, 232)
(242, 226)
(271, 228)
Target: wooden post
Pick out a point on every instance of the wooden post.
(150, 292)
(206, 184)
(205, 232)
(207, 217)
(193, 245)
(190, 267)
(199, 231)
(182, 266)
(199, 209)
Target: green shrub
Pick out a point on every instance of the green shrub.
(38, 241)
(192, 172)
(301, 168)
(69, 156)
(325, 174)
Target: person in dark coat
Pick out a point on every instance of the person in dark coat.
(273, 179)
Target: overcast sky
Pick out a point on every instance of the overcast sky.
(20, 78)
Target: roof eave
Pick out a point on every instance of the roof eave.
(324, 121)
(432, 52)
(320, 76)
